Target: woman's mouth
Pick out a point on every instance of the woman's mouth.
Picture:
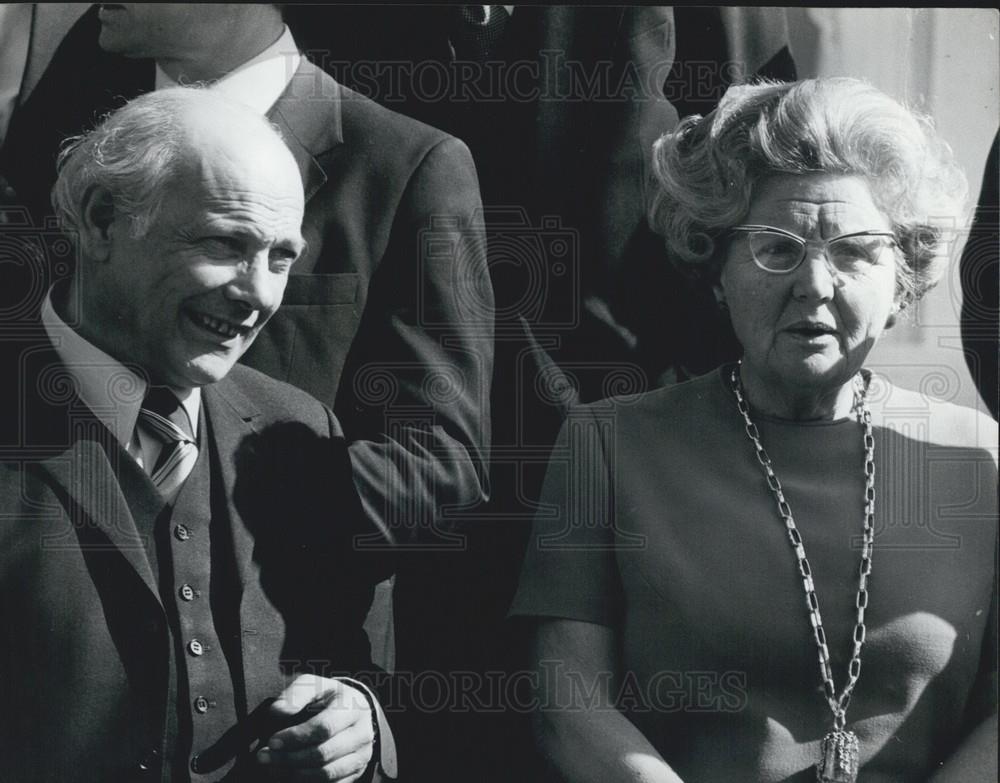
(811, 330)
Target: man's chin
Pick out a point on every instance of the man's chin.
(110, 42)
(201, 371)
(106, 40)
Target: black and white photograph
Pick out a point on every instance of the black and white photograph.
(444, 393)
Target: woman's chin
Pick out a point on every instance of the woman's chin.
(823, 363)
(821, 372)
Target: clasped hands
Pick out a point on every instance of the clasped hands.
(333, 739)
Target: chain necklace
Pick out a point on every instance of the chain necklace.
(839, 749)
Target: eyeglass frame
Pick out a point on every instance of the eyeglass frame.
(752, 228)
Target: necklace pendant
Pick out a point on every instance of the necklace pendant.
(839, 762)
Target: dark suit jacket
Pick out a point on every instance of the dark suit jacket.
(390, 313)
(389, 316)
(85, 649)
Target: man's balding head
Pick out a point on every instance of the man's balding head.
(188, 209)
(136, 150)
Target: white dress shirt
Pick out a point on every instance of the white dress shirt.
(113, 392)
(259, 82)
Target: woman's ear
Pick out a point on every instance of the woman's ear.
(719, 292)
(715, 276)
(96, 218)
(895, 310)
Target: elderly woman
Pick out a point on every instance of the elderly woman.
(783, 570)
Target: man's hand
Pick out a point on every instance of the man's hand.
(332, 741)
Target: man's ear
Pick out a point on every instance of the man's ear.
(96, 217)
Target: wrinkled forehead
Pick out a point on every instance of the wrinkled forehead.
(228, 193)
(234, 156)
(817, 206)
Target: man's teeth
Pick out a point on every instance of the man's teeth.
(220, 327)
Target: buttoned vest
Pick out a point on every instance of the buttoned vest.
(190, 548)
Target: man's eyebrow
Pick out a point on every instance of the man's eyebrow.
(248, 233)
(232, 228)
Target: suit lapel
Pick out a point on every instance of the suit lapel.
(231, 417)
(92, 495)
(62, 436)
(308, 113)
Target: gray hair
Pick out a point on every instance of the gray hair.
(134, 153)
(707, 170)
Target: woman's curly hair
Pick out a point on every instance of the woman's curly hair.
(708, 169)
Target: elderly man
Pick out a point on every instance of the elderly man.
(388, 314)
(179, 593)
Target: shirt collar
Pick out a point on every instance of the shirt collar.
(113, 392)
(259, 82)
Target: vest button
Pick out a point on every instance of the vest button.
(201, 705)
(181, 533)
(195, 647)
(187, 592)
(194, 763)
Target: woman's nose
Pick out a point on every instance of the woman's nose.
(816, 277)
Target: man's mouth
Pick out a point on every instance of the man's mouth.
(220, 327)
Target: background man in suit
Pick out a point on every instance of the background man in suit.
(178, 583)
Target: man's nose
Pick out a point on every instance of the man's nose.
(256, 286)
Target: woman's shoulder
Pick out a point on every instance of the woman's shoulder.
(935, 421)
(679, 401)
(672, 417)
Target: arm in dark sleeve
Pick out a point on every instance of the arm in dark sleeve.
(415, 401)
(354, 574)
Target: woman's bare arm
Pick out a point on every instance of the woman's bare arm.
(578, 729)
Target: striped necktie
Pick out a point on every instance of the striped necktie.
(163, 417)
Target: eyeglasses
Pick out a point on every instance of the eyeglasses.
(781, 252)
